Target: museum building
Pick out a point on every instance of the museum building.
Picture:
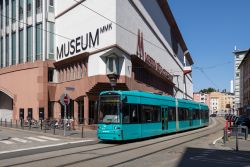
(80, 48)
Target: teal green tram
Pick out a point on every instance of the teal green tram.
(127, 115)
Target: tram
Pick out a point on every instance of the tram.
(127, 115)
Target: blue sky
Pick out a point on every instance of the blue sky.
(211, 29)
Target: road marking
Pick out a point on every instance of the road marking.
(48, 138)
(46, 146)
(20, 140)
(6, 142)
(216, 140)
(36, 139)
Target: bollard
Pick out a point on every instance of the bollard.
(45, 127)
(224, 136)
(54, 130)
(11, 123)
(82, 130)
(246, 133)
(41, 124)
(22, 123)
(237, 147)
(5, 123)
(29, 124)
(16, 124)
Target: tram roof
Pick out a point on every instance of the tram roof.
(151, 95)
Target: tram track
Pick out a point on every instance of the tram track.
(145, 148)
(142, 146)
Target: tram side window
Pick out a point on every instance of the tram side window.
(196, 114)
(206, 114)
(130, 113)
(202, 114)
(183, 114)
(150, 113)
(171, 114)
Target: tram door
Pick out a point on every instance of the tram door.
(164, 117)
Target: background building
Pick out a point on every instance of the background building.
(49, 48)
(244, 68)
(202, 98)
(222, 102)
(238, 57)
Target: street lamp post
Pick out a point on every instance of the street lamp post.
(113, 80)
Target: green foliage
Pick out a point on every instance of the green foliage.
(208, 90)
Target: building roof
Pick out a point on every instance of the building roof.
(238, 52)
(245, 57)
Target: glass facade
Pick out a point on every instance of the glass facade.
(13, 11)
(7, 13)
(39, 39)
(29, 8)
(20, 9)
(51, 6)
(1, 53)
(38, 6)
(21, 45)
(7, 50)
(51, 40)
(29, 44)
(13, 48)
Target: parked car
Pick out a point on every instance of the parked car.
(213, 115)
(243, 120)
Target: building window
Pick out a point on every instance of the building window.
(51, 5)
(50, 74)
(51, 40)
(38, 6)
(21, 45)
(29, 8)
(7, 13)
(13, 11)
(13, 48)
(112, 65)
(237, 74)
(20, 9)
(7, 50)
(29, 44)
(39, 34)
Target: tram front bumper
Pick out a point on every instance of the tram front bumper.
(110, 134)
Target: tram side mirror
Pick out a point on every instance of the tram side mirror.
(124, 99)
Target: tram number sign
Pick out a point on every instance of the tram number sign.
(65, 99)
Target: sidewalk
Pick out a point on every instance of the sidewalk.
(243, 145)
(74, 134)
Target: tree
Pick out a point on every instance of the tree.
(208, 90)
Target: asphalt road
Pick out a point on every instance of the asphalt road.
(192, 148)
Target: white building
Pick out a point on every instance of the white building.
(47, 45)
(238, 57)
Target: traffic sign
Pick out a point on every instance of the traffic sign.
(64, 99)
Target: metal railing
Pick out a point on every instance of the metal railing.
(235, 132)
(55, 127)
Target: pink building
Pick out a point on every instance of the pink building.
(202, 98)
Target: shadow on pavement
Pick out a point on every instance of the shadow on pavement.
(214, 158)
